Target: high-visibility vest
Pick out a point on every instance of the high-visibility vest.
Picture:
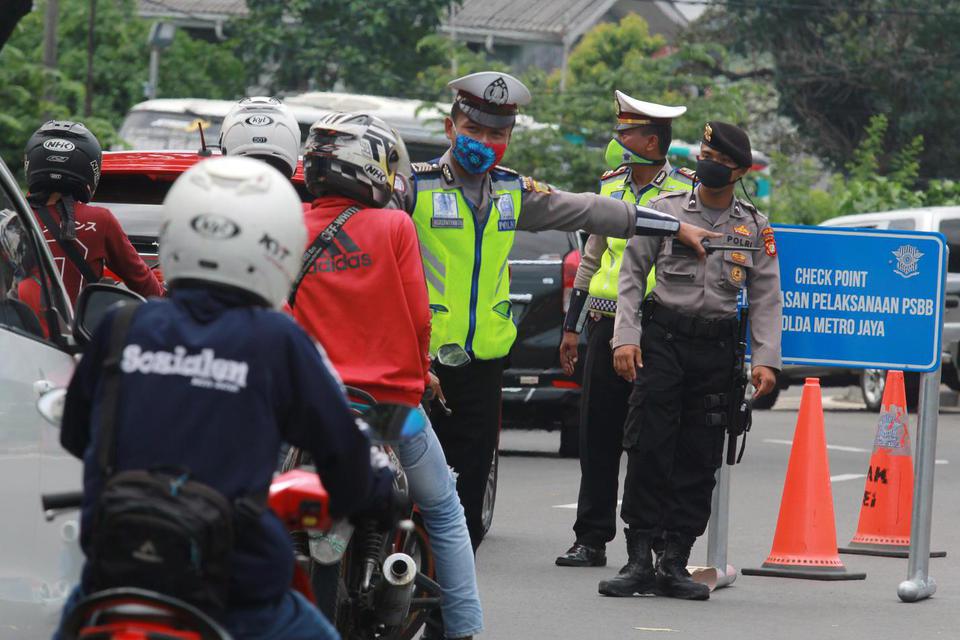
(616, 184)
(465, 262)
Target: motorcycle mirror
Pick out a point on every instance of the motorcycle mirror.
(50, 405)
(94, 302)
(394, 422)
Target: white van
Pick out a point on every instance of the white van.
(173, 124)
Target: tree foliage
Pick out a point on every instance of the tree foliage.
(368, 47)
(189, 67)
(804, 194)
(624, 56)
(837, 64)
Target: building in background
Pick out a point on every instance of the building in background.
(541, 33)
(205, 18)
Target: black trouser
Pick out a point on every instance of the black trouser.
(672, 455)
(603, 411)
(469, 436)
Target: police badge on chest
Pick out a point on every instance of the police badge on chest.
(446, 212)
(508, 220)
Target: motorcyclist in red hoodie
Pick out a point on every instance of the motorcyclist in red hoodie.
(364, 297)
(62, 164)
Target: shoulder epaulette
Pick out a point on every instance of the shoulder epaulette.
(606, 175)
(682, 173)
(668, 194)
(528, 184)
(506, 171)
(425, 167)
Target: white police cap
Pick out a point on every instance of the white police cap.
(636, 113)
(490, 98)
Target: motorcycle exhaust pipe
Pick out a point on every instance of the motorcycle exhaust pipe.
(393, 601)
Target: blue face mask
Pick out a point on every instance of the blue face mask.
(474, 156)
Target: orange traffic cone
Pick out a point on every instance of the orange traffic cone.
(884, 526)
(805, 543)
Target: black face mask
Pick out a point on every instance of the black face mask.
(713, 174)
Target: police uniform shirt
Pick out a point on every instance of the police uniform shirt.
(596, 245)
(542, 206)
(706, 288)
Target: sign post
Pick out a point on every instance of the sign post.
(866, 299)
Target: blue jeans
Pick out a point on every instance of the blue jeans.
(434, 490)
(293, 617)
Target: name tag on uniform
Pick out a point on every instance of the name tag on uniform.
(446, 211)
(508, 220)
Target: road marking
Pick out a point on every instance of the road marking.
(654, 629)
(573, 505)
(843, 477)
(834, 447)
(941, 462)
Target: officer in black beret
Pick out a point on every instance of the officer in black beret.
(679, 352)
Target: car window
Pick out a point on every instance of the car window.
(162, 130)
(906, 224)
(540, 245)
(950, 227)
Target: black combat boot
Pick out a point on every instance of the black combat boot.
(673, 579)
(637, 578)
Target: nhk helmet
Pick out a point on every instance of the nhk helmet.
(63, 157)
(234, 222)
(354, 155)
(262, 128)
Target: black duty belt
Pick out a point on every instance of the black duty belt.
(689, 326)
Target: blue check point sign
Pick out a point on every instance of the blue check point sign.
(862, 298)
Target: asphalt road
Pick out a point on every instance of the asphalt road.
(526, 596)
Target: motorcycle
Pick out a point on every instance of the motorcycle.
(298, 499)
(372, 584)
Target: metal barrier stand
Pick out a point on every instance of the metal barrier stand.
(718, 529)
(919, 584)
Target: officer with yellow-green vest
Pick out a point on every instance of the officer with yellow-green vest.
(639, 171)
(467, 210)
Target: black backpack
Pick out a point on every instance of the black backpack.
(157, 529)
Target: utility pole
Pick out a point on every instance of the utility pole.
(50, 46)
(91, 48)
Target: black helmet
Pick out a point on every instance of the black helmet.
(63, 157)
(354, 155)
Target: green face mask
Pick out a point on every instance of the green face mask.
(618, 155)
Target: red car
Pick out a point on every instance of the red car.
(133, 185)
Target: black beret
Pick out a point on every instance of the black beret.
(729, 139)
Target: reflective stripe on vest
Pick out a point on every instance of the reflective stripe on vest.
(604, 282)
(465, 263)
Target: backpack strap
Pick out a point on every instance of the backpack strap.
(106, 451)
(67, 244)
(318, 246)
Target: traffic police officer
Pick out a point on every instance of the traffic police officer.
(639, 172)
(686, 335)
(467, 209)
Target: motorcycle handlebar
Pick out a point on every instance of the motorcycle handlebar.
(58, 501)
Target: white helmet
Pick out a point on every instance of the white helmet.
(235, 222)
(263, 128)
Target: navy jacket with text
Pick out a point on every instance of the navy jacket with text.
(213, 384)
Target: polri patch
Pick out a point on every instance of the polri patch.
(769, 242)
(446, 211)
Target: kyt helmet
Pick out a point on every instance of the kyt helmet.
(63, 157)
(262, 128)
(354, 155)
(234, 222)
